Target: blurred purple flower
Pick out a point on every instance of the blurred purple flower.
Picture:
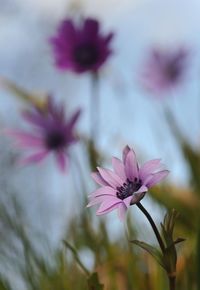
(80, 49)
(165, 70)
(126, 185)
(51, 133)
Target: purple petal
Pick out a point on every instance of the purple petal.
(157, 177)
(61, 159)
(25, 139)
(122, 211)
(106, 190)
(91, 28)
(95, 200)
(143, 188)
(74, 119)
(113, 179)
(148, 168)
(125, 152)
(127, 201)
(131, 166)
(97, 177)
(34, 158)
(108, 205)
(118, 167)
(35, 118)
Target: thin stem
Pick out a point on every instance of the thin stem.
(153, 225)
(172, 282)
(74, 252)
(94, 108)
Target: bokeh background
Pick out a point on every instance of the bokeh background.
(40, 206)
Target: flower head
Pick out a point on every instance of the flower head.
(126, 185)
(164, 70)
(80, 49)
(51, 133)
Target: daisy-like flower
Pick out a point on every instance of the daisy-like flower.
(126, 185)
(51, 133)
(165, 70)
(80, 49)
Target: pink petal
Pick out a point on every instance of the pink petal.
(148, 168)
(34, 158)
(113, 179)
(143, 188)
(131, 166)
(105, 190)
(96, 200)
(24, 139)
(97, 177)
(108, 206)
(157, 177)
(118, 167)
(122, 211)
(61, 159)
(125, 152)
(127, 201)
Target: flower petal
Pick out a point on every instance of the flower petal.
(105, 190)
(122, 209)
(127, 201)
(34, 158)
(113, 179)
(118, 167)
(125, 152)
(61, 159)
(131, 166)
(24, 139)
(157, 177)
(148, 168)
(97, 177)
(108, 205)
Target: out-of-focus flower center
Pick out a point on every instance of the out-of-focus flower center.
(172, 71)
(55, 140)
(86, 55)
(128, 188)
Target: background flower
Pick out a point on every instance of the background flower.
(51, 133)
(165, 70)
(82, 48)
(125, 186)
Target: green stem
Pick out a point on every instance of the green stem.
(94, 107)
(172, 282)
(74, 252)
(153, 225)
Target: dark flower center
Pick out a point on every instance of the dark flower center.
(55, 140)
(86, 55)
(172, 71)
(128, 188)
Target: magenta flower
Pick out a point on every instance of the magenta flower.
(80, 49)
(165, 70)
(126, 185)
(51, 133)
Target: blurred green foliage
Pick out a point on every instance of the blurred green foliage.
(118, 264)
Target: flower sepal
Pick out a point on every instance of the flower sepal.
(153, 251)
(93, 282)
(170, 253)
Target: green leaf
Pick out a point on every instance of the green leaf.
(151, 250)
(93, 282)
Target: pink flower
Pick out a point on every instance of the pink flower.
(80, 48)
(51, 133)
(164, 70)
(126, 185)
